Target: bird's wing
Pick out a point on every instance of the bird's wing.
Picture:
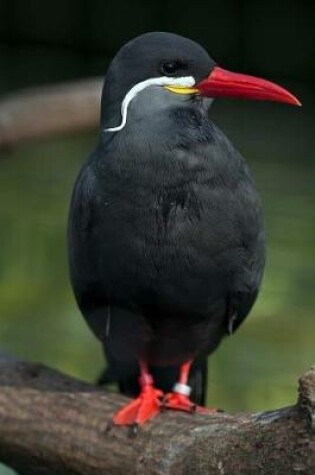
(246, 286)
(83, 259)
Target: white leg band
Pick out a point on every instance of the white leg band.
(183, 389)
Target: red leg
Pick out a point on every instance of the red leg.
(178, 399)
(146, 406)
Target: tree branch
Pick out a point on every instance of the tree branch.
(49, 110)
(53, 424)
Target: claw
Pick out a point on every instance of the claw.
(133, 430)
(181, 402)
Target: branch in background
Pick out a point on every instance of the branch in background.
(50, 110)
(53, 424)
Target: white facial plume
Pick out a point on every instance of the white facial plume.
(186, 81)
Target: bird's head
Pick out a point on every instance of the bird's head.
(158, 70)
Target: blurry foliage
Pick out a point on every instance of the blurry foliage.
(259, 366)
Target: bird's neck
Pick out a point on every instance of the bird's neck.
(183, 147)
(161, 129)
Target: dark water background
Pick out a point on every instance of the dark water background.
(259, 366)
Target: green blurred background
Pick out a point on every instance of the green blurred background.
(53, 41)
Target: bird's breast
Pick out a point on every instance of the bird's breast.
(173, 224)
(173, 245)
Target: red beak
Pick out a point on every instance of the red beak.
(224, 83)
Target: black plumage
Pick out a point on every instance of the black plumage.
(166, 236)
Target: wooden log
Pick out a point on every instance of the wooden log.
(44, 111)
(53, 424)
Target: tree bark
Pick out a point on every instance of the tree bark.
(52, 424)
(45, 111)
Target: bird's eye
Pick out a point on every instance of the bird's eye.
(170, 68)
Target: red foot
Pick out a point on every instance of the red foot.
(146, 406)
(180, 402)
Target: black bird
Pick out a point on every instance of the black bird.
(166, 236)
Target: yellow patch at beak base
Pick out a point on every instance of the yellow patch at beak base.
(182, 90)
